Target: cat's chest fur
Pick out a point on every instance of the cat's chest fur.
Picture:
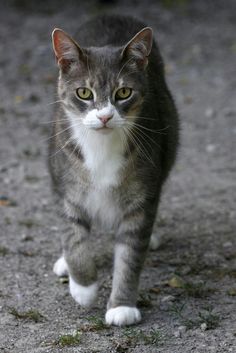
(104, 162)
(104, 159)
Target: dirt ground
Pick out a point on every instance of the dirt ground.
(188, 289)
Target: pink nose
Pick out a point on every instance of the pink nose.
(105, 118)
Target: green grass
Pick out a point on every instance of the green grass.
(144, 301)
(198, 290)
(94, 324)
(68, 340)
(30, 315)
(206, 315)
(135, 336)
(28, 223)
(3, 251)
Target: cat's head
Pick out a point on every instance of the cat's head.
(102, 87)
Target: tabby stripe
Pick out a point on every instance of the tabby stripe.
(78, 221)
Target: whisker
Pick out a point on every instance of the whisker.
(52, 121)
(130, 73)
(122, 68)
(58, 101)
(60, 132)
(87, 61)
(144, 127)
(141, 147)
(151, 130)
(54, 154)
(146, 136)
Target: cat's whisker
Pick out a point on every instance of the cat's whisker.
(58, 101)
(130, 73)
(139, 117)
(87, 62)
(145, 135)
(151, 130)
(67, 142)
(140, 146)
(124, 133)
(60, 132)
(145, 118)
(53, 121)
(122, 68)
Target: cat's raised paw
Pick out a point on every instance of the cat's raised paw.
(85, 296)
(123, 316)
(60, 267)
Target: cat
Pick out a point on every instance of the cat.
(114, 140)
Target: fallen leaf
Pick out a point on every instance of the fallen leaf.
(176, 282)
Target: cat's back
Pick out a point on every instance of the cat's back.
(115, 30)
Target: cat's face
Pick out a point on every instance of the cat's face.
(102, 89)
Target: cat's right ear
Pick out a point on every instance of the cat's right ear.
(66, 49)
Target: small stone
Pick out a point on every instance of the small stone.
(177, 334)
(26, 237)
(182, 329)
(64, 280)
(232, 292)
(210, 148)
(209, 112)
(168, 298)
(203, 326)
(228, 244)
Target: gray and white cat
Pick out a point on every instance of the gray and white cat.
(113, 143)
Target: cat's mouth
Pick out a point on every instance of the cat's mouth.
(104, 129)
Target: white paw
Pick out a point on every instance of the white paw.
(60, 267)
(122, 316)
(155, 241)
(85, 296)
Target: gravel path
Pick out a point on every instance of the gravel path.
(188, 289)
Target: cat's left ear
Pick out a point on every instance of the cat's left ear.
(139, 47)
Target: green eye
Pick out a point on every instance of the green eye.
(84, 93)
(123, 93)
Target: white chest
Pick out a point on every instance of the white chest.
(102, 207)
(104, 159)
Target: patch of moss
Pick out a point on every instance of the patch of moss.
(136, 336)
(206, 315)
(94, 324)
(198, 290)
(210, 318)
(28, 223)
(69, 340)
(144, 301)
(31, 315)
(3, 251)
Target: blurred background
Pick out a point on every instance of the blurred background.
(197, 214)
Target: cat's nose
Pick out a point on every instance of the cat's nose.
(105, 118)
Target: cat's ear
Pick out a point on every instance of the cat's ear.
(66, 49)
(139, 47)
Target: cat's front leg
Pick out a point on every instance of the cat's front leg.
(79, 260)
(131, 247)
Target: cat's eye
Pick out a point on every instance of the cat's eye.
(123, 93)
(84, 93)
